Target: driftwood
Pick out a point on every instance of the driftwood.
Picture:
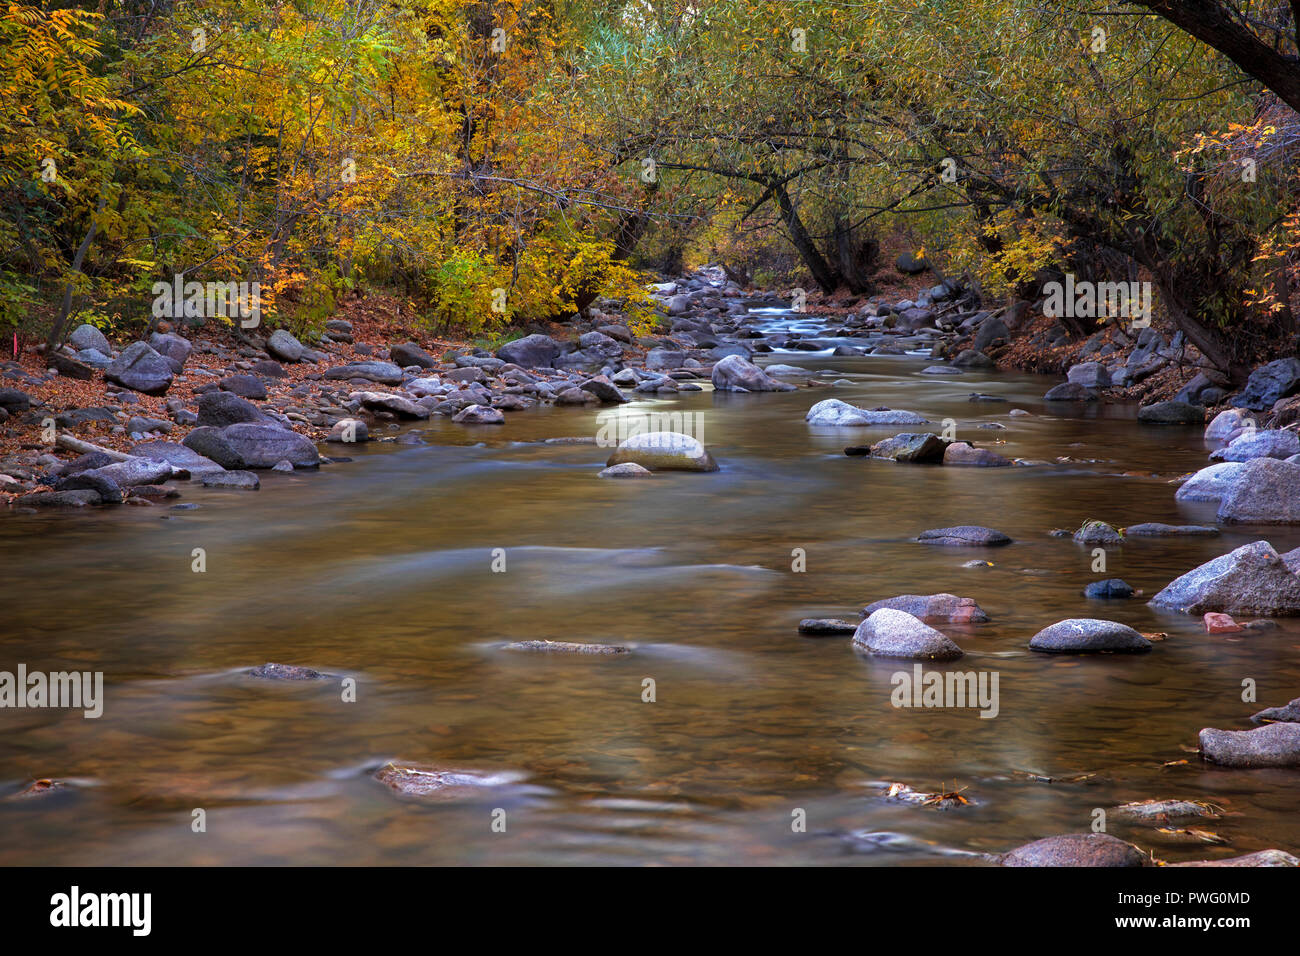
(85, 447)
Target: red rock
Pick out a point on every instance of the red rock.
(1221, 624)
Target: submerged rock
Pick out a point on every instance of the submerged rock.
(966, 535)
(1089, 636)
(1153, 529)
(1258, 858)
(1165, 811)
(567, 647)
(1272, 745)
(439, 783)
(964, 453)
(663, 451)
(826, 627)
(890, 633)
(1077, 849)
(271, 671)
(1253, 579)
(933, 608)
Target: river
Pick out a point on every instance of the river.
(385, 569)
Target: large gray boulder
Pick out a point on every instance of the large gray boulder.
(1210, 484)
(1266, 492)
(1171, 413)
(384, 373)
(1273, 745)
(178, 456)
(1077, 849)
(1089, 636)
(253, 445)
(141, 369)
(1268, 383)
(1287, 713)
(664, 451)
(897, 634)
(284, 346)
(532, 351)
(1227, 425)
(85, 337)
(223, 408)
(171, 346)
(834, 412)
(737, 374)
(1253, 579)
(1269, 443)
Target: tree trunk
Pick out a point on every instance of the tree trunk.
(58, 329)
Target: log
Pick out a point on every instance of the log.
(85, 448)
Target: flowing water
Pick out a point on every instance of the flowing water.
(382, 570)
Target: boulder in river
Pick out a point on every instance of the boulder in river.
(1154, 529)
(1171, 413)
(479, 415)
(440, 783)
(737, 374)
(962, 453)
(287, 672)
(966, 535)
(241, 480)
(133, 471)
(1077, 849)
(1210, 484)
(1089, 636)
(1227, 425)
(349, 430)
(1110, 589)
(1070, 392)
(253, 445)
(826, 627)
(933, 608)
(1253, 579)
(1273, 745)
(1098, 534)
(663, 451)
(569, 647)
(1271, 857)
(897, 634)
(141, 369)
(1267, 491)
(912, 447)
(832, 411)
(1267, 443)
(629, 469)
(1287, 713)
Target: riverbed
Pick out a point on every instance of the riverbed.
(408, 568)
